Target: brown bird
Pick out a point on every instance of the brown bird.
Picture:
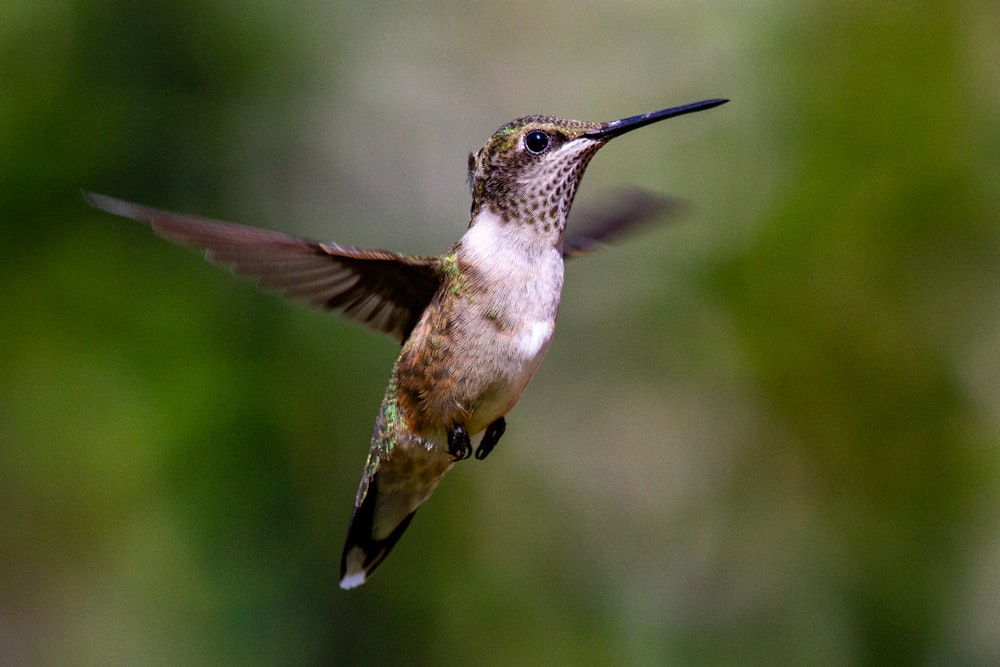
(474, 323)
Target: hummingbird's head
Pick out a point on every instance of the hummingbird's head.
(530, 168)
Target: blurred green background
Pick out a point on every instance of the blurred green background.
(766, 432)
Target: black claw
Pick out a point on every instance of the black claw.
(459, 445)
(491, 438)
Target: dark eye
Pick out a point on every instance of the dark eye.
(536, 142)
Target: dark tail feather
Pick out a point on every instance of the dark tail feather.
(362, 552)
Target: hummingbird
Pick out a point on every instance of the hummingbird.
(474, 323)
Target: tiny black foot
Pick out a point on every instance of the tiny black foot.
(459, 445)
(491, 438)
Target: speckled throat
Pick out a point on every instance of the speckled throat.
(533, 188)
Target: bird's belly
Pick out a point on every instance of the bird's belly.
(515, 358)
(533, 340)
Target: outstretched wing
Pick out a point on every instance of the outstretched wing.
(626, 213)
(386, 291)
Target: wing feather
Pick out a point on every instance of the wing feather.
(383, 290)
(624, 214)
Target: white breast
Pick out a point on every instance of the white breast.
(525, 271)
(534, 338)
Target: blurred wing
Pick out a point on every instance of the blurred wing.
(631, 210)
(386, 291)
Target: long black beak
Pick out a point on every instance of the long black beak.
(616, 127)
